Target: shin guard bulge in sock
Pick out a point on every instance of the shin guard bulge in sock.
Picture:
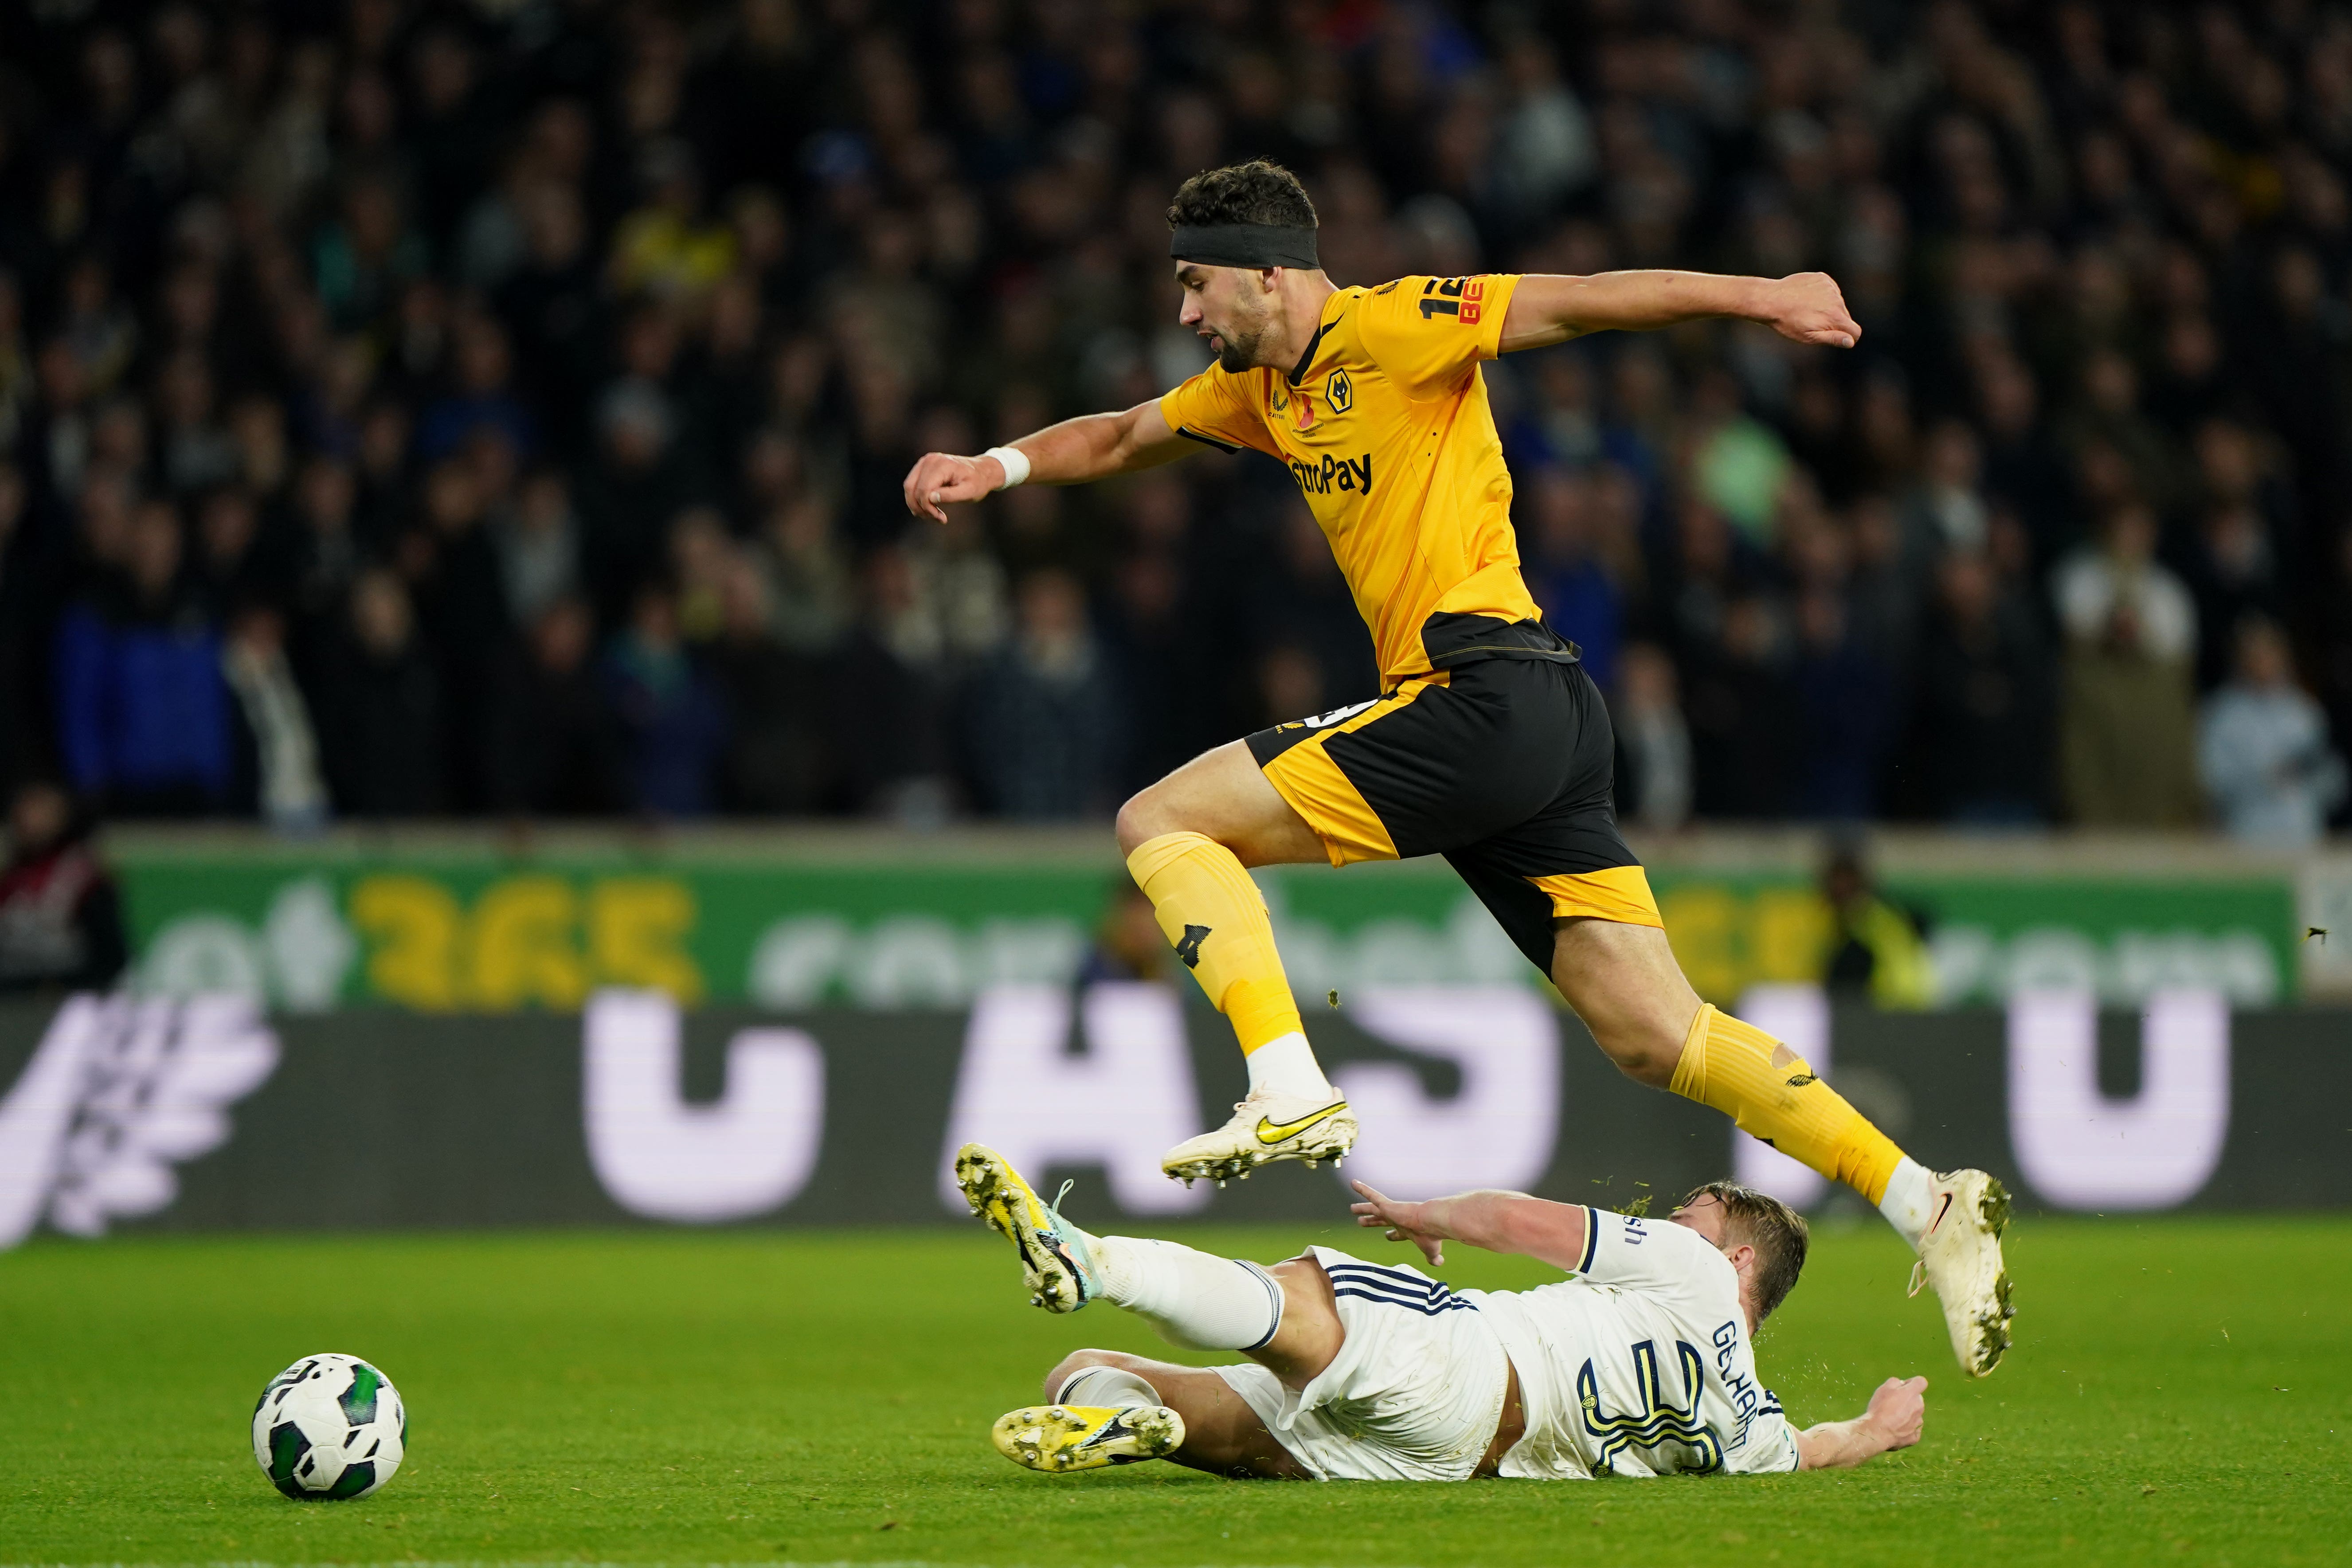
(1217, 919)
(1195, 1298)
(1775, 1095)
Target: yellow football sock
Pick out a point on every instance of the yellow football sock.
(1772, 1093)
(1215, 917)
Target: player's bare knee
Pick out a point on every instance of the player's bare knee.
(1143, 818)
(1310, 1333)
(1647, 1055)
(1654, 1068)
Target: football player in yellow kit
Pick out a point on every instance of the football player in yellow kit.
(1489, 744)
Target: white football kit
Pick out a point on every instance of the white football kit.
(1640, 1365)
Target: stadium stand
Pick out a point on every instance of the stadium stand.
(422, 410)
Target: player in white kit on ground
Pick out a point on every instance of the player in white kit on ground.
(1641, 1365)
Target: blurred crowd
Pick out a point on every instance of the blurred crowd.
(500, 409)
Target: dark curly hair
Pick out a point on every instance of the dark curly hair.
(1256, 192)
(1775, 1230)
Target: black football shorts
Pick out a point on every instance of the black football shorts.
(1502, 766)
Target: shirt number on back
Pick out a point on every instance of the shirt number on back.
(1658, 1422)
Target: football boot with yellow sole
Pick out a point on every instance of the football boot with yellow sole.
(1057, 1262)
(1058, 1437)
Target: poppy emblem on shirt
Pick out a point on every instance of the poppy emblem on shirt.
(1339, 392)
(1306, 410)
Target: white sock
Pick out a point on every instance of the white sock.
(1193, 1299)
(1286, 1065)
(1105, 1388)
(1909, 1203)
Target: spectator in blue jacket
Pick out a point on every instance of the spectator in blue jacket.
(484, 394)
(142, 708)
(673, 728)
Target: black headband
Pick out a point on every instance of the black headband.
(1245, 245)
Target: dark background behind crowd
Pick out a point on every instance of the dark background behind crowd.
(500, 409)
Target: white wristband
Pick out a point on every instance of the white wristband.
(1015, 461)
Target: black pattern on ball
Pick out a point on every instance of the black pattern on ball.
(355, 1479)
(287, 1448)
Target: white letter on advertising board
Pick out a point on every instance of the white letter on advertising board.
(1021, 1091)
(1498, 1132)
(751, 1151)
(2081, 1150)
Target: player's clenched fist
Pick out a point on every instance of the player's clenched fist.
(1899, 1410)
(937, 479)
(1808, 308)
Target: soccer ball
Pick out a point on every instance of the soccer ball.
(329, 1427)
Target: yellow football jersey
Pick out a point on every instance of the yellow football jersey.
(1386, 428)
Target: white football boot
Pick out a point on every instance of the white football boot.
(1059, 1438)
(1960, 1256)
(1266, 1126)
(1057, 1262)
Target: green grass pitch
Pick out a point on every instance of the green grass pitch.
(2183, 1392)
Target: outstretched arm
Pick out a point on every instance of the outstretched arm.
(1549, 309)
(1897, 1412)
(1499, 1222)
(1091, 446)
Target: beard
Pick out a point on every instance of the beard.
(1241, 341)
